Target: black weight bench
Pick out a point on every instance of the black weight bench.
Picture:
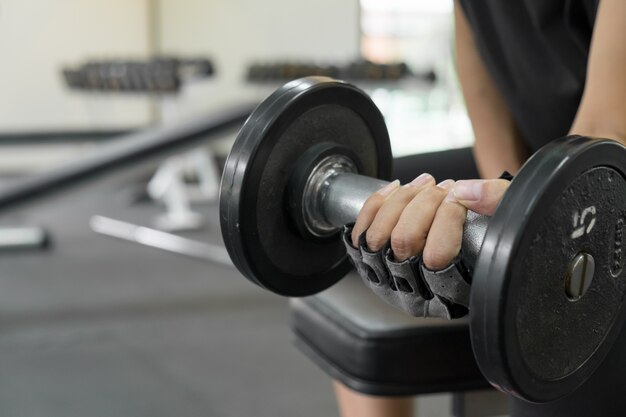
(375, 349)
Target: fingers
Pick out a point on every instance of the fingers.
(481, 196)
(375, 202)
(408, 237)
(445, 235)
(422, 218)
(370, 208)
(379, 231)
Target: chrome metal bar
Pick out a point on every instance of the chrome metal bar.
(344, 196)
(160, 240)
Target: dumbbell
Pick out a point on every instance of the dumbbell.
(548, 281)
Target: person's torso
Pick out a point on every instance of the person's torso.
(536, 51)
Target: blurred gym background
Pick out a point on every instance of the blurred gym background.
(102, 326)
(38, 40)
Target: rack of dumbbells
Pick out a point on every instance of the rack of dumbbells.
(357, 71)
(157, 75)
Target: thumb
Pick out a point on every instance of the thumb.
(481, 196)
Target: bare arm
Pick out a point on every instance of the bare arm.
(499, 145)
(602, 111)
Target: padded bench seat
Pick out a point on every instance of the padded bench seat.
(375, 349)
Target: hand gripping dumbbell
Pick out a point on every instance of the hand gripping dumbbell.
(548, 281)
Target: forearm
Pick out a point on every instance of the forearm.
(499, 145)
(602, 111)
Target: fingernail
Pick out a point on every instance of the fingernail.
(468, 190)
(447, 184)
(421, 180)
(387, 189)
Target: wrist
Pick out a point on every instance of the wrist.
(606, 131)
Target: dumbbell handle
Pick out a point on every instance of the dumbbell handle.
(341, 197)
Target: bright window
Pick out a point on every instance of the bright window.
(421, 116)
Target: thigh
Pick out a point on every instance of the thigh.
(603, 394)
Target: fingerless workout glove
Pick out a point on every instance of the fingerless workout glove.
(409, 285)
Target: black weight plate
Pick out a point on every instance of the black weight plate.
(257, 230)
(528, 337)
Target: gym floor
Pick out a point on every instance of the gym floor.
(95, 326)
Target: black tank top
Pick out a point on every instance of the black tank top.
(536, 51)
